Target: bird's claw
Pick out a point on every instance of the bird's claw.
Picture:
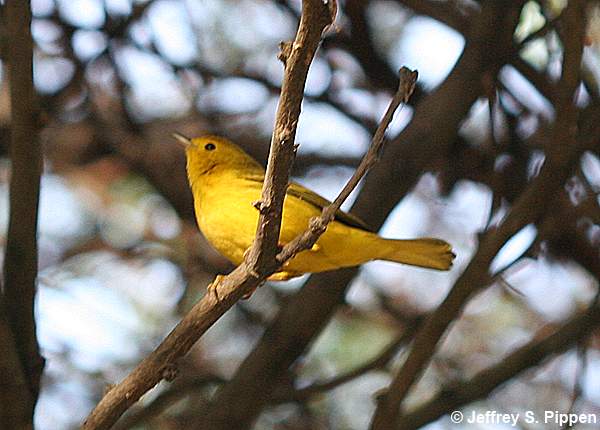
(212, 287)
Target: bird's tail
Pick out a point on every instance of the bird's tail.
(427, 252)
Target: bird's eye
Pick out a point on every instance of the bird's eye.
(209, 146)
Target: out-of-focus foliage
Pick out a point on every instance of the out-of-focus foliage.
(121, 258)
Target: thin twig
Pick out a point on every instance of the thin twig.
(318, 225)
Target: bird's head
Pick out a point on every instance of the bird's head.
(207, 153)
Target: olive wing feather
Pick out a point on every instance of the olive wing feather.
(304, 194)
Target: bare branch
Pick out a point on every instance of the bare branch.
(317, 226)
(297, 57)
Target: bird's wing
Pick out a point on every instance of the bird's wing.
(309, 196)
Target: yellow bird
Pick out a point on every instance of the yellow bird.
(225, 181)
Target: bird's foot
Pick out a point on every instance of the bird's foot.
(212, 287)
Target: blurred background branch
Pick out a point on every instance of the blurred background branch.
(457, 394)
(22, 365)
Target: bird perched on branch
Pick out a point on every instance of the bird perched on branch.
(225, 182)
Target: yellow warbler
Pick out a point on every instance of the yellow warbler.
(225, 181)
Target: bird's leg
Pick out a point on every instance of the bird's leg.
(212, 287)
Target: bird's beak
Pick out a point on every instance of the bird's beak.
(186, 142)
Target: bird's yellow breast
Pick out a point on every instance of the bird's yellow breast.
(228, 219)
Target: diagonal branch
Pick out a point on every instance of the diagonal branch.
(528, 208)
(317, 226)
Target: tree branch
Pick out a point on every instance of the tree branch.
(287, 394)
(166, 399)
(297, 57)
(530, 206)
(261, 261)
(444, 12)
(317, 226)
(16, 402)
(20, 259)
(487, 380)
